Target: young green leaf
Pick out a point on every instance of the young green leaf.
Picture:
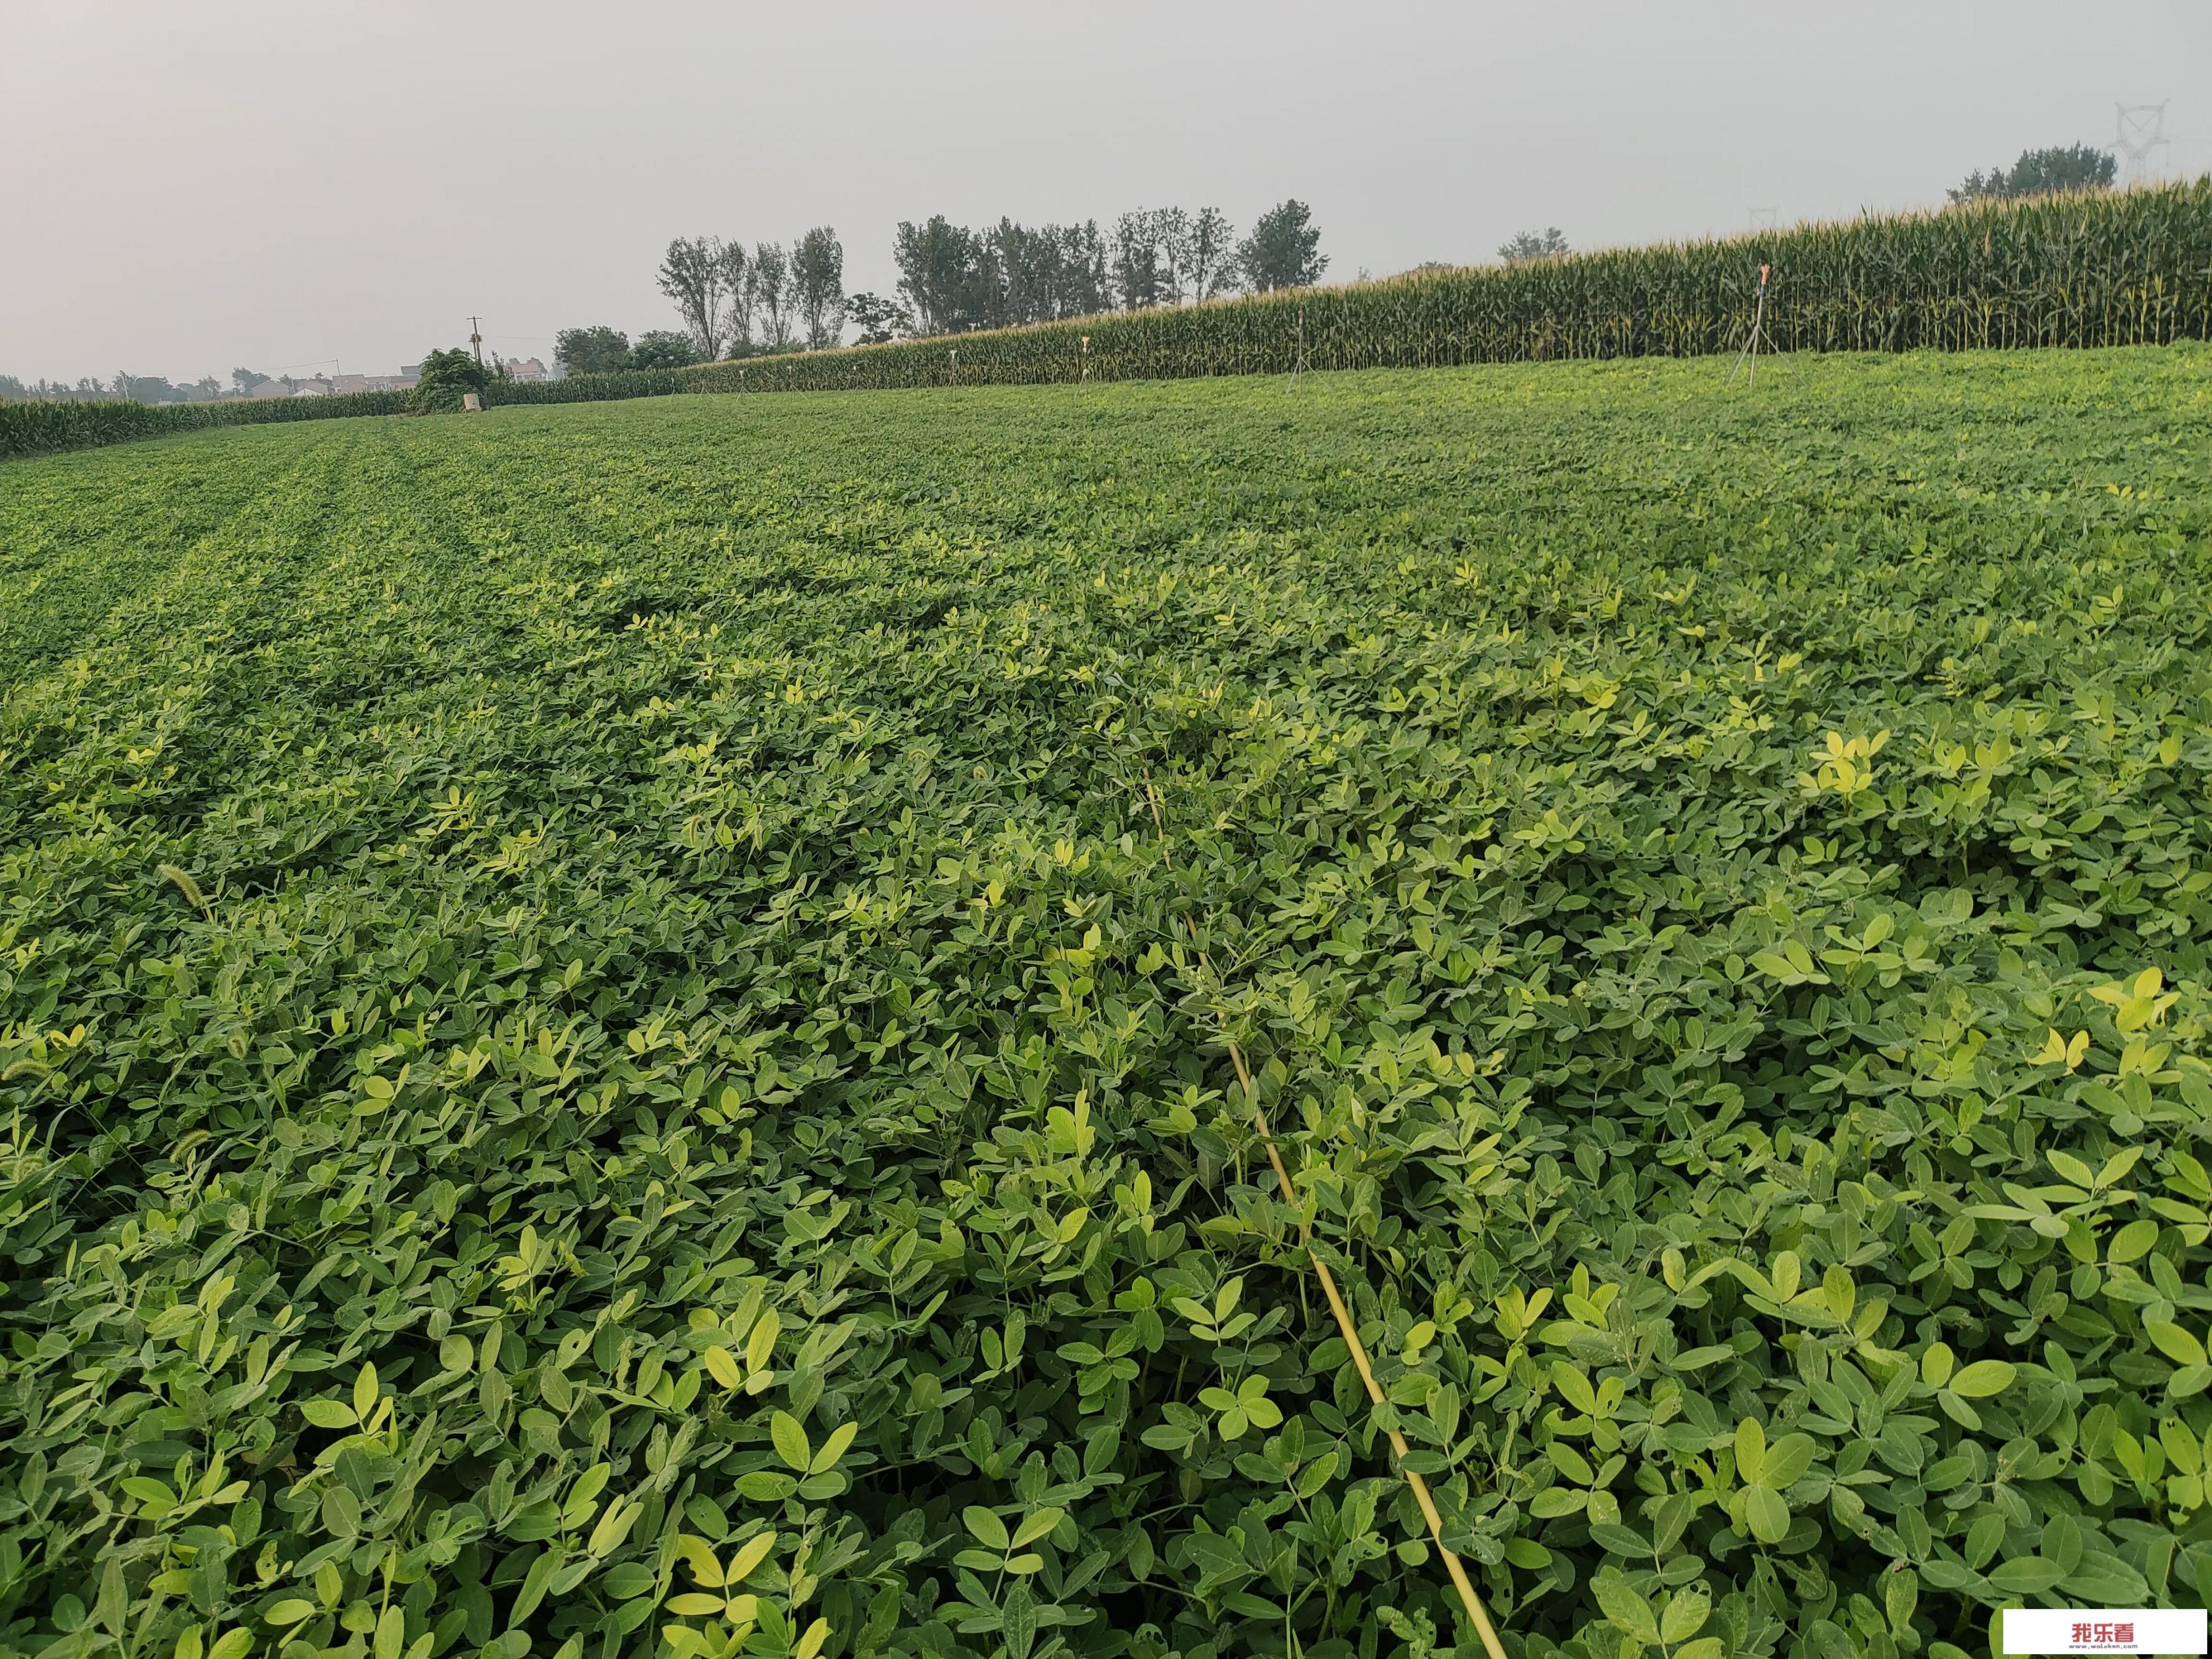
(791, 1443)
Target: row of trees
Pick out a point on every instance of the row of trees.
(952, 278)
(134, 388)
(137, 388)
(16, 391)
(143, 388)
(1548, 244)
(735, 301)
(601, 350)
(2042, 172)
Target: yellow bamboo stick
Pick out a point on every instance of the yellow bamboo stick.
(1343, 1323)
(1453, 1565)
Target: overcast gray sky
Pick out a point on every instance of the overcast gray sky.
(185, 188)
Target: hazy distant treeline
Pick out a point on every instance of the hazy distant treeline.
(737, 301)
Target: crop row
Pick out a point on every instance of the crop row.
(34, 428)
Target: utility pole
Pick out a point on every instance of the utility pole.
(2142, 129)
(476, 339)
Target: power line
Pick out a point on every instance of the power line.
(2141, 130)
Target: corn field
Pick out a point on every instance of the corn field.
(33, 428)
(2129, 268)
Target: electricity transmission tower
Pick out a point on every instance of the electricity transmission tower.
(2141, 130)
(1762, 218)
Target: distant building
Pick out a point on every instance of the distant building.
(271, 389)
(344, 384)
(525, 368)
(319, 386)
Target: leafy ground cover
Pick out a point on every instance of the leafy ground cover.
(613, 1019)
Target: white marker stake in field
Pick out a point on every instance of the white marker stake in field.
(1758, 327)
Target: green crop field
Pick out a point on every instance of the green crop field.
(616, 1020)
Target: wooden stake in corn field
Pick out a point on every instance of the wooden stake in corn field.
(1757, 326)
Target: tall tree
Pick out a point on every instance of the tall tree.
(880, 320)
(692, 276)
(1017, 270)
(955, 278)
(737, 289)
(147, 388)
(770, 284)
(1029, 273)
(1000, 275)
(595, 350)
(1141, 277)
(663, 348)
(1284, 250)
(1528, 245)
(1084, 288)
(818, 286)
(2041, 172)
(938, 274)
(1205, 256)
(1171, 234)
